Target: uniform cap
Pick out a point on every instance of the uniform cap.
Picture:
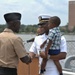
(12, 16)
(43, 19)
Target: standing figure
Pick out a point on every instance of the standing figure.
(11, 46)
(35, 49)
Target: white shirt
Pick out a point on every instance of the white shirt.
(35, 47)
(50, 66)
(37, 42)
(63, 44)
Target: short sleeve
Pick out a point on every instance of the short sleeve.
(63, 45)
(19, 47)
(33, 48)
(51, 34)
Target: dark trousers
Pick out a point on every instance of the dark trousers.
(8, 71)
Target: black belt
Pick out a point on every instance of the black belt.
(8, 71)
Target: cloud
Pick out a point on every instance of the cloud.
(51, 7)
(31, 9)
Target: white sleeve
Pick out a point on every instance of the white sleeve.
(63, 45)
(33, 48)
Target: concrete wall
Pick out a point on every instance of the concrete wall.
(31, 69)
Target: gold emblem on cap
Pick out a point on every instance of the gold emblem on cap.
(43, 21)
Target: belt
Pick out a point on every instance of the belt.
(8, 71)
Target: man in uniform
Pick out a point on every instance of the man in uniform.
(35, 48)
(11, 46)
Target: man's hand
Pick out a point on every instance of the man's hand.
(26, 59)
(42, 54)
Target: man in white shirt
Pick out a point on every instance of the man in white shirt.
(35, 48)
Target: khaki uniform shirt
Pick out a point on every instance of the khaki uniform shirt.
(11, 49)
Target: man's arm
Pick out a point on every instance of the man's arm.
(61, 55)
(48, 47)
(32, 55)
(43, 44)
(33, 50)
(28, 58)
(44, 54)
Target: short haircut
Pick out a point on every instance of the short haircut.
(55, 20)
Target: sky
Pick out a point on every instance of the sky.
(31, 9)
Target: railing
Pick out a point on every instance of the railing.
(69, 62)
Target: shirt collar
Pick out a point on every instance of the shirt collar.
(8, 30)
(56, 28)
(43, 35)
